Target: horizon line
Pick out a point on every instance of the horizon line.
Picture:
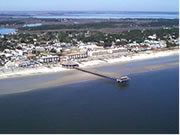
(83, 11)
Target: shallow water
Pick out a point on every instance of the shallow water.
(32, 25)
(22, 84)
(127, 66)
(4, 31)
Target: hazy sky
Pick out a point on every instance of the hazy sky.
(102, 5)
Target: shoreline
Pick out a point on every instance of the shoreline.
(72, 76)
(91, 64)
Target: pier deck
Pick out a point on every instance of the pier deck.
(119, 80)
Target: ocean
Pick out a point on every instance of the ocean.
(148, 104)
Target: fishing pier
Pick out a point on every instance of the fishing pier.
(73, 65)
(123, 79)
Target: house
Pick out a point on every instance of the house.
(31, 56)
(153, 37)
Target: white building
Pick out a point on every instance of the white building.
(76, 56)
(49, 59)
(107, 51)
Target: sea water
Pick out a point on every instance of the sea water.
(148, 104)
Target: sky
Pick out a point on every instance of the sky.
(89, 5)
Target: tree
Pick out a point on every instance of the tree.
(107, 44)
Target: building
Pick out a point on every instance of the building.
(76, 56)
(119, 50)
(70, 64)
(107, 51)
(98, 52)
(49, 59)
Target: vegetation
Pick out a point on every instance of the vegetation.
(11, 23)
(79, 26)
(162, 22)
(101, 25)
(139, 36)
(103, 39)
